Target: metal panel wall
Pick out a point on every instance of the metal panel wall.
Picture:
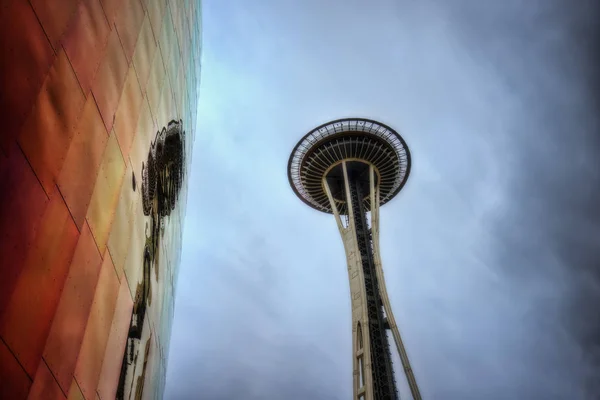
(88, 254)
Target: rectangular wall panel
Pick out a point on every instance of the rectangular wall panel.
(49, 128)
(23, 203)
(45, 386)
(25, 58)
(64, 341)
(113, 356)
(106, 192)
(82, 164)
(128, 22)
(85, 41)
(110, 78)
(97, 330)
(45, 269)
(128, 112)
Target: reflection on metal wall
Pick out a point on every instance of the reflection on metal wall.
(100, 100)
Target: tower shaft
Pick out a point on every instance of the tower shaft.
(371, 311)
(384, 385)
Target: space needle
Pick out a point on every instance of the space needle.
(350, 168)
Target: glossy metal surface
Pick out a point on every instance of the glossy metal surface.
(87, 87)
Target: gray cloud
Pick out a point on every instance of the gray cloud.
(491, 249)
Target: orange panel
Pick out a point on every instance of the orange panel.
(15, 382)
(135, 256)
(128, 22)
(113, 356)
(45, 386)
(75, 391)
(109, 81)
(144, 53)
(127, 114)
(85, 41)
(48, 131)
(78, 176)
(66, 334)
(25, 58)
(89, 363)
(54, 20)
(156, 81)
(156, 10)
(106, 193)
(23, 202)
(145, 133)
(27, 319)
(118, 240)
(166, 109)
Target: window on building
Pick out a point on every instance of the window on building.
(361, 373)
(359, 337)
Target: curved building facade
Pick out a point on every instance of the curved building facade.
(99, 99)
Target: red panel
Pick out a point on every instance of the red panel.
(109, 81)
(111, 7)
(85, 41)
(89, 363)
(15, 382)
(48, 131)
(78, 176)
(28, 316)
(23, 202)
(25, 57)
(128, 22)
(113, 356)
(68, 327)
(127, 114)
(54, 19)
(45, 386)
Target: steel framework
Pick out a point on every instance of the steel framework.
(349, 168)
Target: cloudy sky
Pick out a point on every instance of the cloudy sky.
(490, 251)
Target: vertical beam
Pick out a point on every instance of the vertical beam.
(351, 222)
(374, 197)
(375, 200)
(333, 206)
(358, 301)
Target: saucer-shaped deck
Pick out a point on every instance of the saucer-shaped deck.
(359, 142)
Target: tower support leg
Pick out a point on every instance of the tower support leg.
(374, 200)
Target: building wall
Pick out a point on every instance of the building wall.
(99, 99)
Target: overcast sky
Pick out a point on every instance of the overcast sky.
(491, 249)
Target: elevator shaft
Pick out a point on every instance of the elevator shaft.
(384, 383)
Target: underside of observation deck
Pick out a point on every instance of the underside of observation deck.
(320, 153)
